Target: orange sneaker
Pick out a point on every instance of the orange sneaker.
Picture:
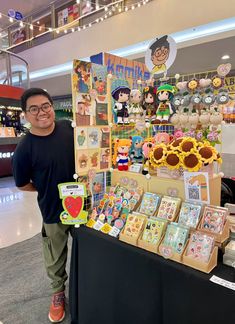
(57, 308)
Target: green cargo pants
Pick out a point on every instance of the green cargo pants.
(55, 250)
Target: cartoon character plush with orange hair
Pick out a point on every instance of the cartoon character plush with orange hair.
(121, 153)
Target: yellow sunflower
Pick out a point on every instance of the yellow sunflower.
(188, 144)
(172, 160)
(174, 145)
(219, 158)
(157, 155)
(191, 161)
(207, 152)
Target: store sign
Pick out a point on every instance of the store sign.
(63, 104)
(230, 83)
(6, 155)
(15, 14)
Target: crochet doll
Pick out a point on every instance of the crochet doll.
(165, 94)
(135, 109)
(136, 153)
(121, 95)
(149, 99)
(121, 153)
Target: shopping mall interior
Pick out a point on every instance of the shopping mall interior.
(40, 39)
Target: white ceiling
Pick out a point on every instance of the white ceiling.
(189, 60)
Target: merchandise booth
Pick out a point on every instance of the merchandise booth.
(151, 242)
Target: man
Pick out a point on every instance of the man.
(43, 159)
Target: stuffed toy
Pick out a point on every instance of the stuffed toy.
(121, 95)
(196, 98)
(162, 138)
(148, 104)
(204, 118)
(222, 97)
(193, 119)
(136, 153)
(135, 109)
(165, 94)
(147, 148)
(209, 97)
(193, 84)
(121, 153)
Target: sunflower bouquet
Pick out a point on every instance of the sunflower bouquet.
(184, 153)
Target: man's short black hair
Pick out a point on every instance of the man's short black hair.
(33, 92)
(159, 43)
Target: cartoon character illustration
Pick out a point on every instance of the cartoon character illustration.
(94, 160)
(121, 95)
(136, 153)
(121, 153)
(149, 99)
(160, 51)
(82, 71)
(83, 161)
(81, 138)
(165, 94)
(135, 109)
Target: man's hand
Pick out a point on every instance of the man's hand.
(28, 187)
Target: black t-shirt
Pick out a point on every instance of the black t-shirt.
(46, 161)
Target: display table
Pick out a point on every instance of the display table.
(115, 283)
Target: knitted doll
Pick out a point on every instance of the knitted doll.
(121, 153)
(136, 153)
(149, 99)
(135, 109)
(165, 94)
(121, 95)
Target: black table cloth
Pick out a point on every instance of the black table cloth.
(112, 282)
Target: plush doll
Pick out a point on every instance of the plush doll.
(204, 118)
(175, 120)
(209, 97)
(147, 148)
(162, 138)
(148, 104)
(121, 95)
(193, 119)
(193, 84)
(216, 119)
(184, 118)
(121, 153)
(135, 109)
(196, 98)
(177, 100)
(186, 99)
(136, 153)
(222, 97)
(165, 94)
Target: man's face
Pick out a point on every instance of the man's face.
(42, 120)
(160, 55)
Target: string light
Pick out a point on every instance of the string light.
(108, 9)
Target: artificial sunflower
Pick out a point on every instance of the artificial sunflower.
(188, 144)
(191, 161)
(174, 145)
(207, 152)
(172, 160)
(219, 158)
(157, 155)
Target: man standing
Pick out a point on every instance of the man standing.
(43, 159)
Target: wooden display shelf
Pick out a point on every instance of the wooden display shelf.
(174, 256)
(219, 238)
(149, 246)
(199, 265)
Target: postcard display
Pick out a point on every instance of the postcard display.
(144, 210)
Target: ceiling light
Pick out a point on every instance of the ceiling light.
(225, 57)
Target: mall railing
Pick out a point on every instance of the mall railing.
(14, 70)
(60, 18)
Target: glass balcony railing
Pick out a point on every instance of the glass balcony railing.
(14, 70)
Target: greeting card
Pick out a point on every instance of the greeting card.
(149, 203)
(81, 135)
(213, 219)
(169, 207)
(94, 159)
(93, 137)
(189, 214)
(154, 229)
(200, 246)
(82, 161)
(196, 186)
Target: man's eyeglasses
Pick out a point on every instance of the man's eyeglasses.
(34, 110)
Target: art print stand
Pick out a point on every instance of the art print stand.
(133, 229)
(199, 265)
(72, 195)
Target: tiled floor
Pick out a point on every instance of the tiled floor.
(20, 217)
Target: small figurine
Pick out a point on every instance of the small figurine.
(136, 153)
(147, 148)
(135, 109)
(121, 94)
(165, 94)
(121, 153)
(149, 99)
